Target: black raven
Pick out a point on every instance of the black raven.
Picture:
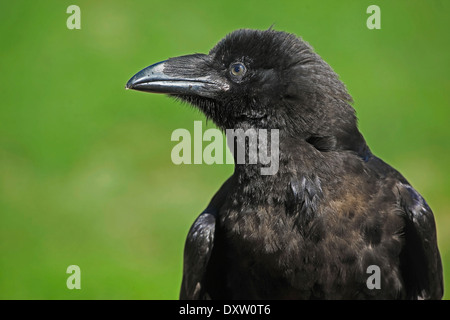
(334, 222)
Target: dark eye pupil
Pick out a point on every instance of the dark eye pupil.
(237, 68)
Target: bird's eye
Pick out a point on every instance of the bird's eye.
(237, 69)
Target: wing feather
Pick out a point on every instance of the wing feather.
(421, 261)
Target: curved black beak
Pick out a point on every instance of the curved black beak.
(191, 75)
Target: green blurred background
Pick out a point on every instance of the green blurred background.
(85, 171)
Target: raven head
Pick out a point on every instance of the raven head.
(261, 79)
